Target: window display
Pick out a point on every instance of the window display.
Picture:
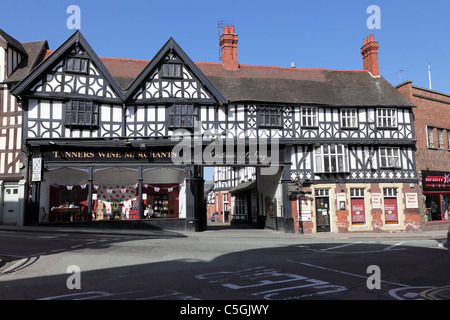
(68, 203)
(437, 206)
(162, 201)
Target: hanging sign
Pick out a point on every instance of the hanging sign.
(36, 175)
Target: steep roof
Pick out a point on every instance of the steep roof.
(122, 69)
(256, 83)
(35, 54)
(12, 42)
(252, 83)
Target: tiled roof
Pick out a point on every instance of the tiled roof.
(35, 54)
(280, 85)
(12, 42)
(253, 83)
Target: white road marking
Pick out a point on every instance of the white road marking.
(341, 246)
(344, 272)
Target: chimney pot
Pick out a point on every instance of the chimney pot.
(228, 46)
(369, 51)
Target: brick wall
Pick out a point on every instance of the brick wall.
(432, 109)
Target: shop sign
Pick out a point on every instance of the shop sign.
(160, 155)
(435, 181)
(411, 201)
(305, 209)
(36, 175)
(376, 201)
(341, 201)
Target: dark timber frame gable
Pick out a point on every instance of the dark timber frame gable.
(172, 46)
(22, 88)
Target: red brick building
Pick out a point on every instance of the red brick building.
(432, 129)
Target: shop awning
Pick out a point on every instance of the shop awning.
(245, 186)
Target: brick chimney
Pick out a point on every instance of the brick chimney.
(228, 46)
(369, 52)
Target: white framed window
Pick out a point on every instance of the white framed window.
(349, 118)
(390, 192)
(391, 214)
(356, 192)
(387, 118)
(389, 157)
(448, 139)
(440, 138)
(430, 138)
(309, 116)
(322, 192)
(358, 206)
(331, 158)
(225, 202)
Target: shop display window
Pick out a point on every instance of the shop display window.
(115, 195)
(437, 206)
(68, 203)
(162, 201)
(115, 202)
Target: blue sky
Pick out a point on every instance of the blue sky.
(313, 34)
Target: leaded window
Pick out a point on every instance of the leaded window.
(77, 65)
(81, 113)
(171, 70)
(270, 116)
(183, 116)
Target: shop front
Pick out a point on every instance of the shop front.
(436, 197)
(89, 186)
(358, 207)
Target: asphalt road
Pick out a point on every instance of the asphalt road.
(241, 265)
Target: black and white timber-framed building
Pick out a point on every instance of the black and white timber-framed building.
(108, 139)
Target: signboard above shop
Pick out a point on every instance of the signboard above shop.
(184, 155)
(162, 155)
(435, 181)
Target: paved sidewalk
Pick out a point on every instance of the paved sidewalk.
(230, 231)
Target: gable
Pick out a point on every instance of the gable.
(71, 71)
(172, 76)
(172, 79)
